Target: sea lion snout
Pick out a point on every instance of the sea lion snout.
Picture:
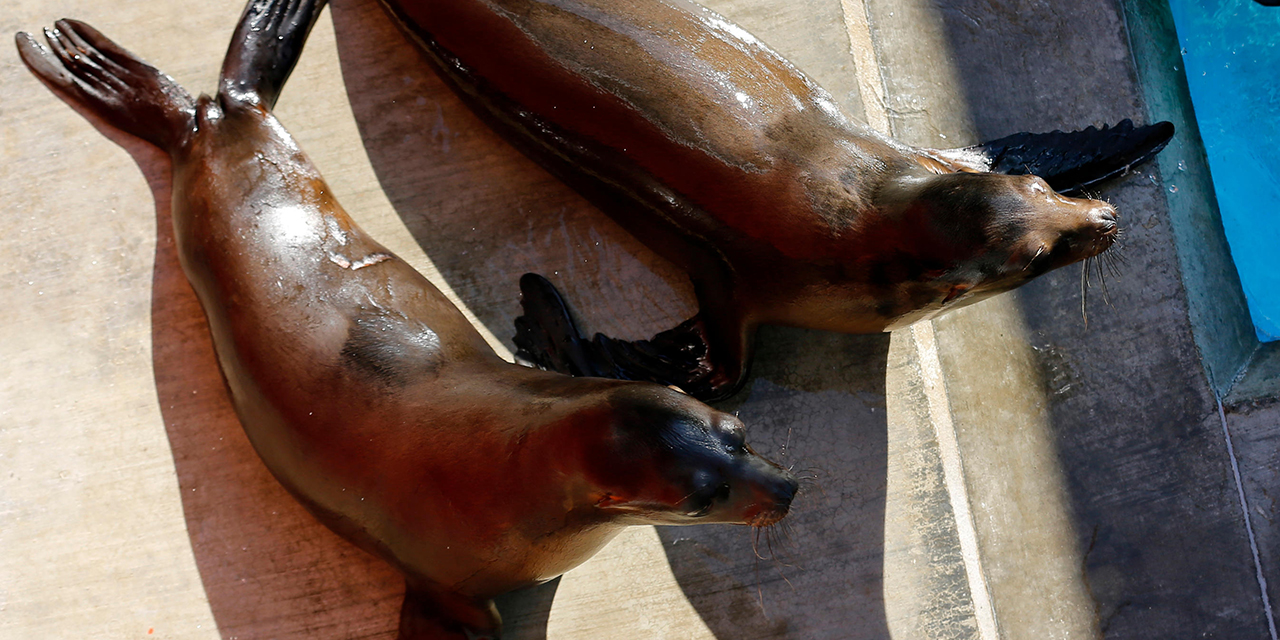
(1059, 228)
(1090, 234)
(672, 460)
(772, 494)
(747, 490)
(754, 490)
(1105, 219)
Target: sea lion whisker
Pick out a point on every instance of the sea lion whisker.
(778, 565)
(782, 532)
(755, 536)
(1109, 259)
(1102, 280)
(1117, 254)
(1033, 258)
(755, 543)
(1084, 294)
(760, 591)
(1104, 263)
(811, 478)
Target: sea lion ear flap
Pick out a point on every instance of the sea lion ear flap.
(957, 290)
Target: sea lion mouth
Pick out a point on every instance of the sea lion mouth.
(1106, 241)
(772, 501)
(769, 517)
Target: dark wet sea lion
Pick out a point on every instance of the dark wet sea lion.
(731, 163)
(364, 390)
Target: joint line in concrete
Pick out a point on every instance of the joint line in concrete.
(872, 88)
(953, 475)
(1248, 522)
(866, 64)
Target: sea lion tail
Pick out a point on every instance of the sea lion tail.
(96, 73)
(265, 47)
(1072, 161)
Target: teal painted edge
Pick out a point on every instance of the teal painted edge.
(1216, 305)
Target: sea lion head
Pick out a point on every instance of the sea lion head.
(666, 458)
(971, 235)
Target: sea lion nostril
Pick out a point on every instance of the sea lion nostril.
(1103, 220)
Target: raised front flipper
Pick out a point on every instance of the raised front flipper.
(547, 337)
(265, 48)
(1071, 161)
(428, 616)
(114, 84)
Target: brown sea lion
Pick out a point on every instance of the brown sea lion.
(730, 162)
(364, 390)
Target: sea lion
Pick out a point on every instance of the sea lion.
(364, 390)
(730, 162)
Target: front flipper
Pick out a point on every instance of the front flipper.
(547, 337)
(1070, 161)
(427, 616)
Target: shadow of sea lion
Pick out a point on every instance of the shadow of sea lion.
(816, 400)
(268, 568)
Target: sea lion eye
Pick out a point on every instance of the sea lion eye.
(722, 492)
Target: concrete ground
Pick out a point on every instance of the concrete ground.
(1006, 472)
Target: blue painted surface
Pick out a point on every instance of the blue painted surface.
(1231, 49)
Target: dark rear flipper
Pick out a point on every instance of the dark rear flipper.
(1073, 161)
(265, 48)
(429, 615)
(546, 335)
(548, 338)
(114, 84)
